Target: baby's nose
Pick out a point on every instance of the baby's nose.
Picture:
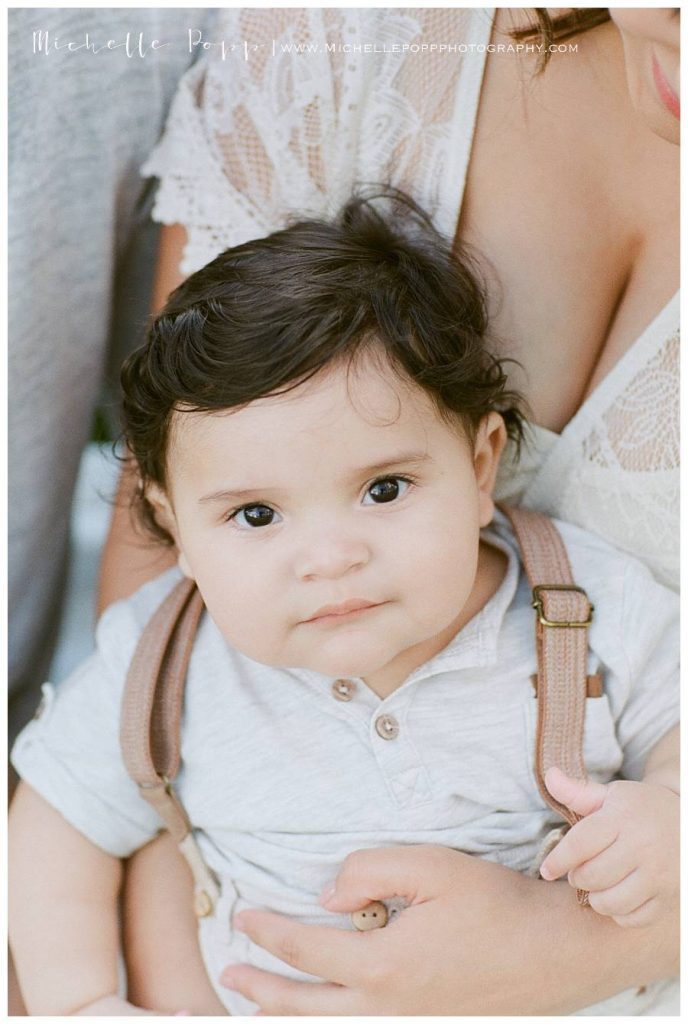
(329, 557)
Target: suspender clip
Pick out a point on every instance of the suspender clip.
(554, 623)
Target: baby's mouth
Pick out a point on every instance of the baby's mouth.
(345, 610)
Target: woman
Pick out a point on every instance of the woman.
(568, 184)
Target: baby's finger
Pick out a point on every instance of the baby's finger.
(605, 870)
(624, 898)
(585, 840)
(582, 795)
(644, 915)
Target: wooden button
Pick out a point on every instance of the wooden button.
(202, 903)
(373, 916)
(343, 689)
(387, 727)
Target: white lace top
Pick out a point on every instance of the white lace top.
(300, 111)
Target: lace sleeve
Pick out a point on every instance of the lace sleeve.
(297, 114)
(222, 174)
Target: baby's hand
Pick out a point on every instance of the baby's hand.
(624, 850)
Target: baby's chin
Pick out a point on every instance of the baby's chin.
(338, 665)
(346, 664)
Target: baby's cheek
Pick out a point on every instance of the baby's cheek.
(440, 576)
(247, 622)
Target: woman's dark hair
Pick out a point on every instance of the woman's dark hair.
(549, 30)
(267, 315)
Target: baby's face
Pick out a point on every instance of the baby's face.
(336, 527)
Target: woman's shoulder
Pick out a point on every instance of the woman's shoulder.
(621, 585)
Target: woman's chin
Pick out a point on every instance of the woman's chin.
(659, 121)
(654, 114)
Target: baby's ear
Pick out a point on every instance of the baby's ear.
(162, 509)
(164, 515)
(489, 445)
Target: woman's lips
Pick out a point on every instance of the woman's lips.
(666, 93)
(347, 609)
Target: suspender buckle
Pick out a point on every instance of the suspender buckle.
(554, 623)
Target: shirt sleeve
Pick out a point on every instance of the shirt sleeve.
(70, 752)
(650, 639)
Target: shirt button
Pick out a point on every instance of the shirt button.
(387, 727)
(343, 689)
(374, 915)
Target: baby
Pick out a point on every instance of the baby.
(318, 425)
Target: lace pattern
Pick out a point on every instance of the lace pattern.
(647, 410)
(252, 143)
(629, 466)
(615, 469)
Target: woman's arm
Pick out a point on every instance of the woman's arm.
(130, 558)
(62, 910)
(477, 939)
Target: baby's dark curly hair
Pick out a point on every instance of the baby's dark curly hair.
(267, 315)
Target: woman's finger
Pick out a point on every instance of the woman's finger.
(411, 872)
(284, 997)
(334, 954)
(588, 838)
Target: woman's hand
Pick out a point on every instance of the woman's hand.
(477, 938)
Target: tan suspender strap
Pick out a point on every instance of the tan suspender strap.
(563, 614)
(154, 689)
(150, 730)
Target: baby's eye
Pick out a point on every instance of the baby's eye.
(389, 488)
(254, 516)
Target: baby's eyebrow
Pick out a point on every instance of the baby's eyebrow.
(410, 459)
(240, 495)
